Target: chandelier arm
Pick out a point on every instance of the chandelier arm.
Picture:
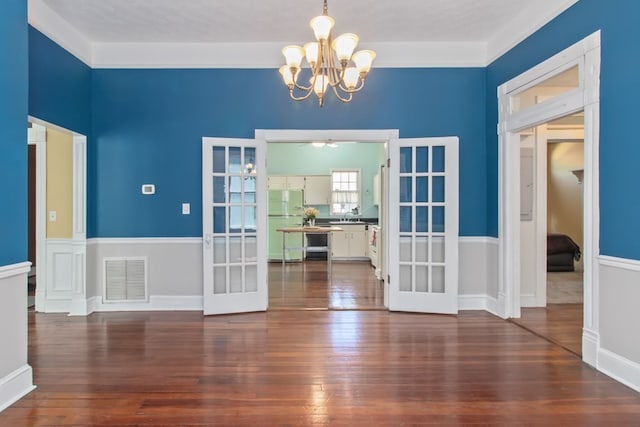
(354, 90)
(300, 98)
(303, 88)
(337, 94)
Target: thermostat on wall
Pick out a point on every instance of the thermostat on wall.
(148, 189)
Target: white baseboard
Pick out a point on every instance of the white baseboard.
(15, 386)
(472, 302)
(590, 345)
(528, 301)
(478, 302)
(155, 303)
(620, 369)
(55, 306)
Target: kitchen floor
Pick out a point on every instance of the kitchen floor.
(308, 285)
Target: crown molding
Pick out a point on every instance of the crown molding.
(517, 30)
(60, 31)
(267, 55)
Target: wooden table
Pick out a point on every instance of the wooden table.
(305, 248)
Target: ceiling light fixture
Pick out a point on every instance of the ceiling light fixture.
(327, 71)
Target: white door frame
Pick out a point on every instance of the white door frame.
(264, 136)
(585, 54)
(76, 248)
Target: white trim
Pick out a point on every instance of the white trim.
(517, 30)
(15, 386)
(479, 239)
(60, 31)
(12, 270)
(623, 263)
(155, 303)
(590, 346)
(143, 240)
(586, 51)
(267, 55)
(586, 54)
(41, 214)
(479, 302)
(336, 135)
(619, 368)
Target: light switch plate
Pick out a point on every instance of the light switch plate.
(148, 189)
(53, 216)
(186, 208)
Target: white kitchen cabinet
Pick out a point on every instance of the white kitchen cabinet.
(285, 182)
(350, 243)
(317, 190)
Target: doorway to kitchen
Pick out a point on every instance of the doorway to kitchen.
(325, 183)
(418, 253)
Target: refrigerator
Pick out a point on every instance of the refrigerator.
(285, 209)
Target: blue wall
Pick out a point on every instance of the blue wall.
(59, 85)
(13, 132)
(619, 150)
(148, 125)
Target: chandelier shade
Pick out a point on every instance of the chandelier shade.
(331, 63)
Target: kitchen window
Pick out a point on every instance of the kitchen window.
(345, 191)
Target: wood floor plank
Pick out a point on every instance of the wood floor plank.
(310, 285)
(294, 367)
(559, 323)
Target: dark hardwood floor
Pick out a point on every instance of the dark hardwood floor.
(344, 362)
(559, 323)
(297, 367)
(310, 285)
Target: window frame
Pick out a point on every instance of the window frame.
(358, 203)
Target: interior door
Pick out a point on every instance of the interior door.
(423, 224)
(234, 226)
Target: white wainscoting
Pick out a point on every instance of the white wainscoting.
(56, 294)
(174, 272)
(16, 376)
(478, 273)
(618, 352)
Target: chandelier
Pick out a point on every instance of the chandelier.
(331, 62)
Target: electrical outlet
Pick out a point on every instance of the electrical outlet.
(186, 208)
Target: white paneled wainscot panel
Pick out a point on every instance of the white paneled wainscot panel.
(56, 294)
(16, 376)
(619, 294)
(478, 275)
(174, 272)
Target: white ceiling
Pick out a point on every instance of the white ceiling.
(486, 23)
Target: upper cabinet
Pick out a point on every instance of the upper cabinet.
(317, 190)
(281, 182)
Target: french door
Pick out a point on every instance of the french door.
(234, 224)
(423, 225)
